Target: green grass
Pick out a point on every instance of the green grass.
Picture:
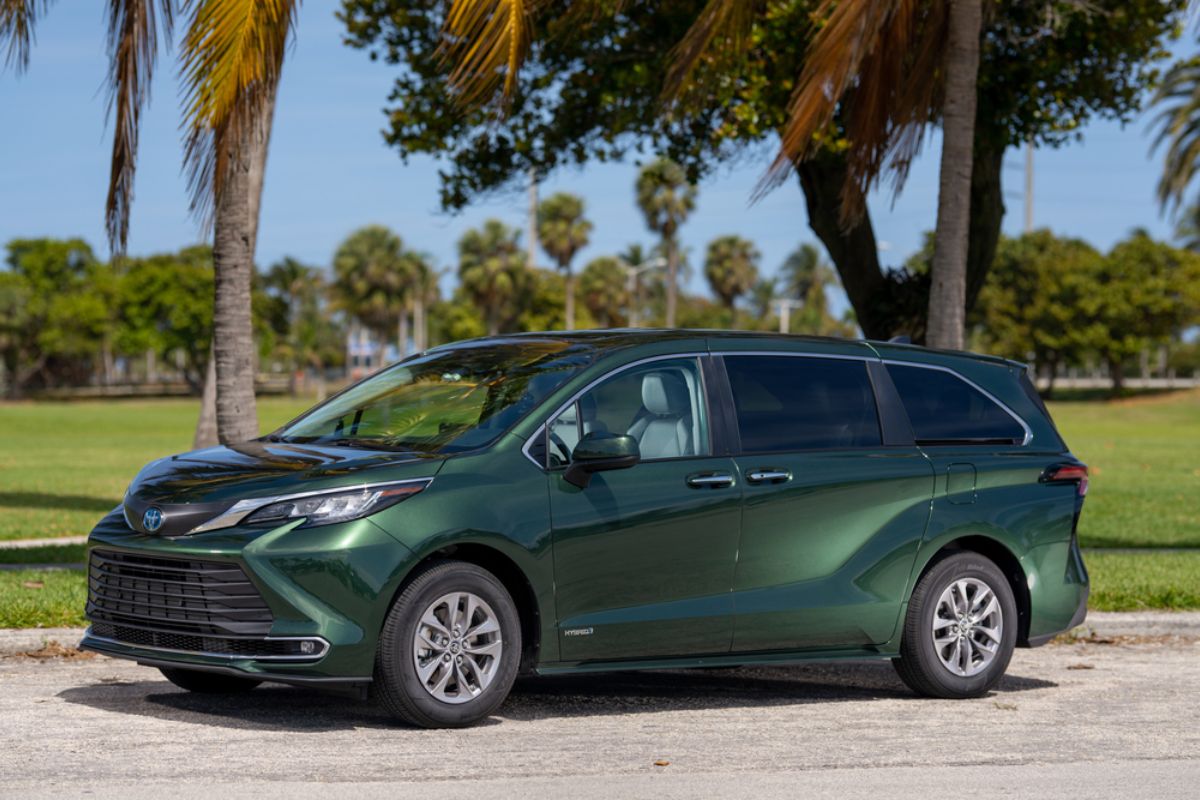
(1136, 581)
(65, 465)
(49, 599)
(1144, 455)
(47, 554)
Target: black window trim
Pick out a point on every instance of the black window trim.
(878, 396)
(969, 442)
(697, 356)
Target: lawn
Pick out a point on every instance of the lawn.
(65, 465)
(1144, 455)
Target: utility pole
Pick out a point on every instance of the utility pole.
(1029, 186)
(786, 304)
(533, 206)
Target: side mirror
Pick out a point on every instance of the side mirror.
(597, 452)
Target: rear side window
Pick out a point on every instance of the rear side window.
(945, 409)
(788, 403)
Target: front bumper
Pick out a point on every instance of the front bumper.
(324, 593)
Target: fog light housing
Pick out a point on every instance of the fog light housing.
(308, 648)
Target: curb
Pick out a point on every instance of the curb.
(23, 640)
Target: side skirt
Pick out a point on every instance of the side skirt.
(724, 660)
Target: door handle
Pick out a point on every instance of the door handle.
(710, 480)
(769, 475)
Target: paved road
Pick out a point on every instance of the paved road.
(1084, 720)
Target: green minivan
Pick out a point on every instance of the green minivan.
(606, 500)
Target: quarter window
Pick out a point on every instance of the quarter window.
(945, 409)
(660, 404)
(788, 403)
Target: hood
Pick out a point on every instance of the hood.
(192, 487)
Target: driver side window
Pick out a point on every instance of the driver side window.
(659, 404)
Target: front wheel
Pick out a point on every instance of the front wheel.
(450, 647)
(960, 630)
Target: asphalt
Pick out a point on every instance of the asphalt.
(1109, 715)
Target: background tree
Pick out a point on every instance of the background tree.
(1142, 293)
(731, 267)
(493, 274)
(666, 198)
(1030, 308)
(605, 289)
(563, 231)
(374, 276)
(1046, 69)
(311, 338)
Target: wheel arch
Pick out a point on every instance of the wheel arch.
(1004, 558)
(508, 572)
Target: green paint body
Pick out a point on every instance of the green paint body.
(639, 570)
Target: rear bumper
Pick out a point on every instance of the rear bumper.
(1058, 590)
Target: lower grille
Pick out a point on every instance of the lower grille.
(236, 648)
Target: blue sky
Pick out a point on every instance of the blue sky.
(329, 170)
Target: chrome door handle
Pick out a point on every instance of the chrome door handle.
(710, 480)
(768, 476)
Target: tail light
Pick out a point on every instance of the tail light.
(1068, 473)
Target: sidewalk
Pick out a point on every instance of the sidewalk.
(22, 544)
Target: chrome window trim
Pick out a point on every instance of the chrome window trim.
(1003, 406)
(792, 354)
(243, 508)
(89, 636)
(541, 429)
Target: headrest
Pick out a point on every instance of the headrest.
(665, 393)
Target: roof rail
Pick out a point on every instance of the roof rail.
(902, 339)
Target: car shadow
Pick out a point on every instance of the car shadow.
(273, 707)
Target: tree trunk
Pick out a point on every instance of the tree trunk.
(948, 289)
(402, 335)
(420, 327)
(235, 234)
(206, 427)
(987, 211)
(570, 310)
(1116, 372)
(672, 278)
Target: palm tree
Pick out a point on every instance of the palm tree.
(493, 274)
(605, 288)
(876, 73)
(1180, 96)
(300, 288)
(1187, 228)
(563, 232)
(231, 59)
(666, 198)
(804, 276)
(731, 267)
(374, 278)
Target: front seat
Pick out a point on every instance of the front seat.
(664, 427)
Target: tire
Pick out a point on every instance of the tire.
(975, 667)
(446, 679)
(201, 682)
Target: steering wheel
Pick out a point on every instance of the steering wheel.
(557, 441)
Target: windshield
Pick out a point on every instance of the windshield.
(445, 401)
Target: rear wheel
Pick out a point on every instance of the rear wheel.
(450, 647)
(960, 630)
(195, 680)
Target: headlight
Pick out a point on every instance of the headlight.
(317, 508)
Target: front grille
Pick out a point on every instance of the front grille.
(187, 598)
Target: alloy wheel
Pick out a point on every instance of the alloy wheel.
(967, 627)
(457, 647)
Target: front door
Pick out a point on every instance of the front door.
(644, 557)
(833, 518)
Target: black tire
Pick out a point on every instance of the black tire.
(397, 686)
(919, 665)
(201, 682)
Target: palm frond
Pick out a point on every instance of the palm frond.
(132, 52)
(725, 22)
(879, 64)
(1179, 123)
(486, 41)
(231, 61)
(17, 20)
